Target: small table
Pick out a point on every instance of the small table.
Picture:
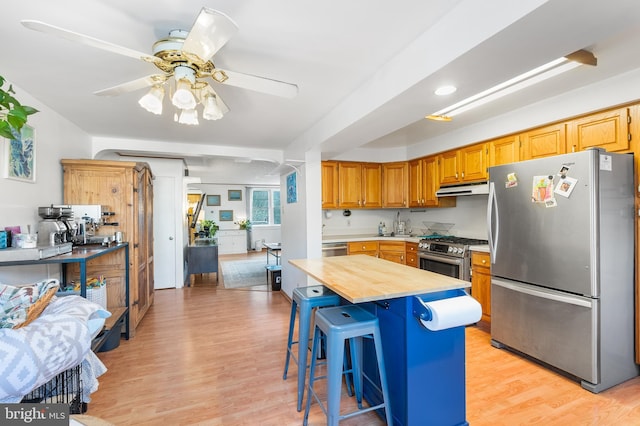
(202, 258)
(273, 249)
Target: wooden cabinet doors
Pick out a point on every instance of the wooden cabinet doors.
(329, 185)
(544, 142)
(395, 183)
(504, 150)
(608, 130)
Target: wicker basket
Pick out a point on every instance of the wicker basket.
(36, 309)
(98, 294)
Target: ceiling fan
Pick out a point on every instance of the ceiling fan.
(184, 59)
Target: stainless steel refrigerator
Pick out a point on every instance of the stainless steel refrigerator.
(561, 236)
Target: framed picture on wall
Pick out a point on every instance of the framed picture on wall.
(292, 189)
(235, 195)
(226, 215)
(20, 156)
(213, 200)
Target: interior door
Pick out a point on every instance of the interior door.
(164, 224)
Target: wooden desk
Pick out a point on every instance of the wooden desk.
(425, 369)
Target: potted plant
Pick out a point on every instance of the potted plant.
(13, 115)
(209, 227)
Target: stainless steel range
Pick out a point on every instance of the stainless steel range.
(447, 255)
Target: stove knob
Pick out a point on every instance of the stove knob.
(450, 250)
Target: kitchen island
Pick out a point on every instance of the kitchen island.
(425, 369)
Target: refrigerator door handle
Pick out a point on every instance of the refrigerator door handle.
(573, 300)
(492, 206)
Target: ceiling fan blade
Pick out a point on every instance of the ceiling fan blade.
(258, 84)
(87, 40)
(133, 85)
(209, 33)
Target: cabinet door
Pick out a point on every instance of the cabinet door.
(363, 247)
(411, 250)
(432, 184)
(504, 150)
(544, 142)
(449, 167)
(392, 250)
(395, 182)
(481, 282)
(371, 185)
(474, 162)
(349, 185)
(608, 130)
(416, 180)
(329, 185)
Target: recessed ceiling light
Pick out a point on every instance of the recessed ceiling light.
(445, 90)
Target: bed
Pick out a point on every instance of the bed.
(57, 340)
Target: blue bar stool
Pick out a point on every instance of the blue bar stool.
(340, 324)
(309, 298)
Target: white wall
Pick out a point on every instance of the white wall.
(56, 138)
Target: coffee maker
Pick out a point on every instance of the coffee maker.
(52, 230)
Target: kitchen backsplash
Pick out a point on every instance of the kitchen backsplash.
(469, 217)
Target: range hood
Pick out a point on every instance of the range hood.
(463, 189)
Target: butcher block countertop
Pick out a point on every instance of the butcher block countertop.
(361, 278)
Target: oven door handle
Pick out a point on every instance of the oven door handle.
(443, 259)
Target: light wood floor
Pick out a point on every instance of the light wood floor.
(205, 355)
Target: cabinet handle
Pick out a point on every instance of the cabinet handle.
(484, 261)
(456, 175)
(462, 175)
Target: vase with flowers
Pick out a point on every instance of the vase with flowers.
(244, 223)
(208, 228)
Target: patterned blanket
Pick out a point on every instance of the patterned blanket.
(60, 338)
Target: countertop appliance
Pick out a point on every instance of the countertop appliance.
(447, 255)
(562, 254)
(334, 249)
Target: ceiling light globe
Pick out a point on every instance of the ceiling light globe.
(152, 101)
(183, 98)
(211, 109)
(189, 116)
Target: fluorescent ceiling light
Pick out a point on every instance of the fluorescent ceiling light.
(520, 82)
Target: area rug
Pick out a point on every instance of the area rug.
(243, 273)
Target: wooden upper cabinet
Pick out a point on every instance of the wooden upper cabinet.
(416, 182)
(504, 150)
(371, 185)
(473, 161)
(449, 167)
(329, 184)
(608, 130)
(544, 142)
(349, 185)
(468, 164)
(359, 185)
(395, 184)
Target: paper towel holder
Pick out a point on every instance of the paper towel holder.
(420, 311)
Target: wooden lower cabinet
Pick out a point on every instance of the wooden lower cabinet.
(393, 251)
(411, 250)
(481, 282)
(125, 189)
(363, 247)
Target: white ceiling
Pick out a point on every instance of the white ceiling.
(366, 69)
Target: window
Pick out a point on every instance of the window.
(265, 206)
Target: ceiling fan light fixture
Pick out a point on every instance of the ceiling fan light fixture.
(212, 110)
(189, 116)
(152, 101)
(183, 97)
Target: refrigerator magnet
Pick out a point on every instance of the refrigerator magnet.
(542, 190)
(512, 180)
(563, 171)
(565, 186)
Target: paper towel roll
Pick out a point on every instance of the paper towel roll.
(452, 312)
